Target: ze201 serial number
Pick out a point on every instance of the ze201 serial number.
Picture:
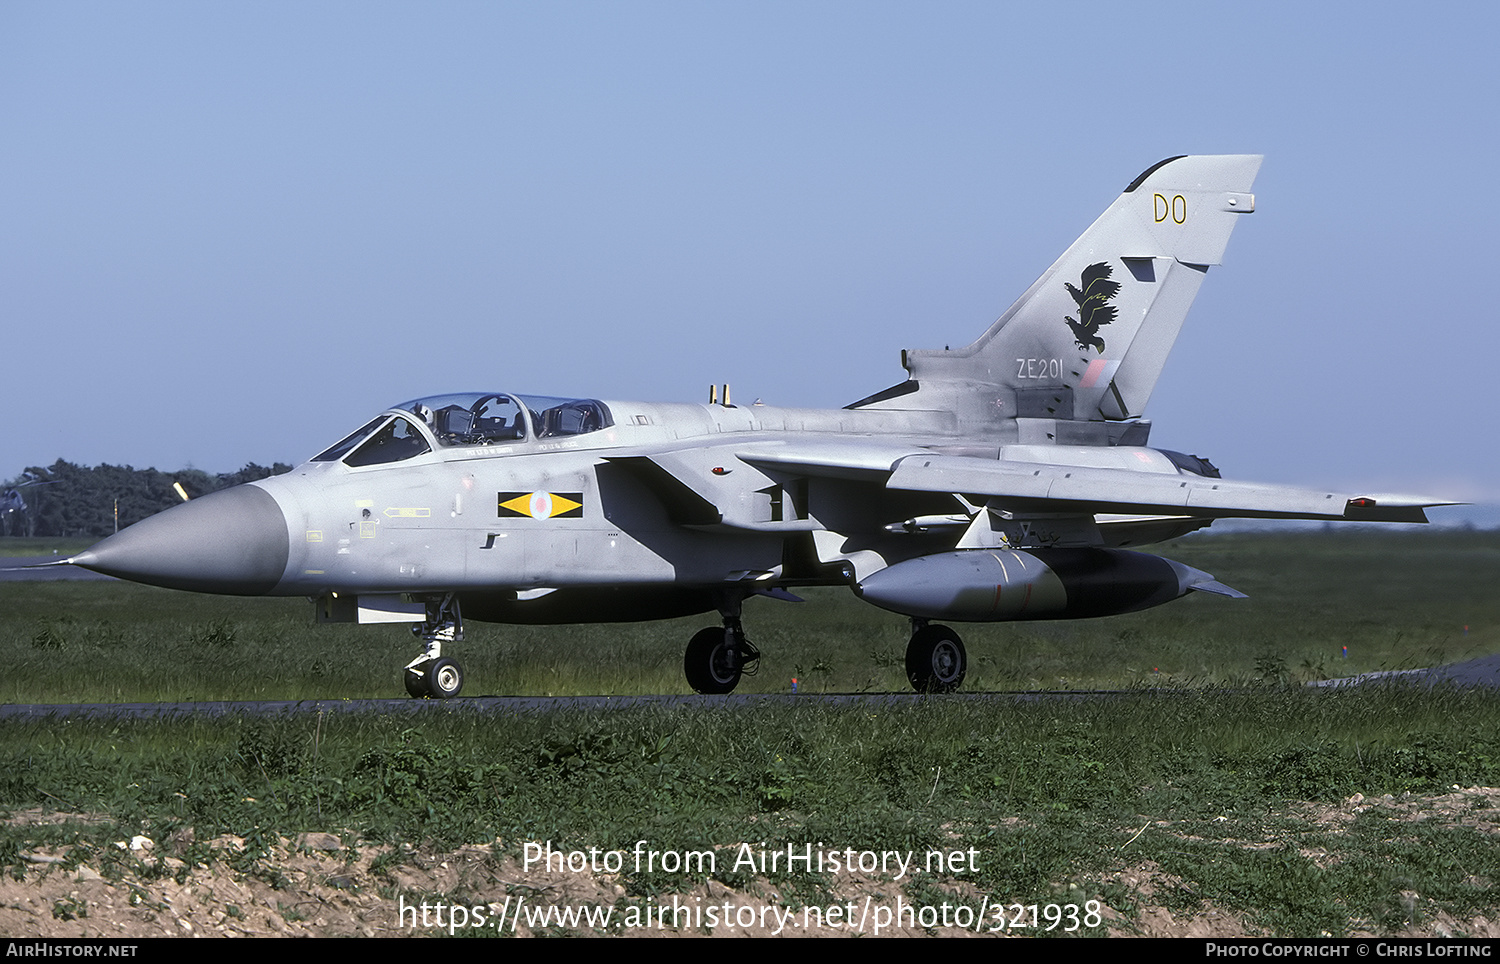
(1038, 367)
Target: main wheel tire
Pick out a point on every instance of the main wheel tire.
(712, 664)
(935, 660)
(444, 678)
(416, 684)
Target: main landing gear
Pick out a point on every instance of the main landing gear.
(935, 658)
(432, 674)
(717, 658)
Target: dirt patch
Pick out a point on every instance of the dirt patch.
(317, 886)
(1146, 880)
(327, 885)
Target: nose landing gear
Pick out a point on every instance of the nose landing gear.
(432, 674)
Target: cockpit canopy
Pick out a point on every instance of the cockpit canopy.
(463, 420)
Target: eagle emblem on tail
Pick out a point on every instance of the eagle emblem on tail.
(1094, 309)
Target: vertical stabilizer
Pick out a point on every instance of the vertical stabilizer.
(1087, 341)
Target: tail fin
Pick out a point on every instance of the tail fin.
(1088, 339)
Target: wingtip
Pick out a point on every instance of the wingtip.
(1386, 507)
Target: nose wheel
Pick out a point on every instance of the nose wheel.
(437, 678)
(433, 675)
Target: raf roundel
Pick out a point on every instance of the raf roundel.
(541, 505)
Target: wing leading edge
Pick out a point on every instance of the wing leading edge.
(1057, 487)
(1064, 488)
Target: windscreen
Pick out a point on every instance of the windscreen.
(394, 442)
(348, 442)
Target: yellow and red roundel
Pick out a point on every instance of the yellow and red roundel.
(541, 505)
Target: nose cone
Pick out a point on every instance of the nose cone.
(233, 541)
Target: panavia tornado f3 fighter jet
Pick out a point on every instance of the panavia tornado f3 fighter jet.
(999, 481)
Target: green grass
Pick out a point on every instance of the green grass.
(1055, 797)
(1396, 600)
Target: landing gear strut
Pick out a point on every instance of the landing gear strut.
(717, 658)
(935, 658)
(432, 674)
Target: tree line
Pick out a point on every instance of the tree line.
(64, 499)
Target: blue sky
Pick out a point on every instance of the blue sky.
(232, 232)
